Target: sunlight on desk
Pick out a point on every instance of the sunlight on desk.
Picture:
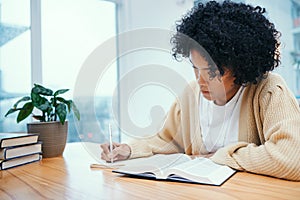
(70, 177)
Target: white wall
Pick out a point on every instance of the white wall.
(150, 78)
(279, 12)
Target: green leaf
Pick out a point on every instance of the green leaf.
(68, 102)
(39, 117)
(25, 111)
(62, 100)
(76, 111)
(61, 111)
(58, 92)
(45, 107)
(39, 101)
(38, 89)
(12, 110)
(27, 98)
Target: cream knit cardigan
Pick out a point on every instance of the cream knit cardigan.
(269, 131)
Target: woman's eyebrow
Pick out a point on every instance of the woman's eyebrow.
(194, 66)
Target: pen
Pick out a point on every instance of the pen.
(110, 142)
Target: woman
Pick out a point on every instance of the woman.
(237, 111)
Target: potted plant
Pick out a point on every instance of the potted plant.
(51, 125)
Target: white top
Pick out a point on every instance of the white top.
(219, 124)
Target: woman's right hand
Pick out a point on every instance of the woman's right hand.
(119, 152)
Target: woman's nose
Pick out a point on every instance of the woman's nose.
(201, 80)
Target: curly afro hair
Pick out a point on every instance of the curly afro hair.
(235, 36)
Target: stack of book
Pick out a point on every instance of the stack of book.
(19, 149)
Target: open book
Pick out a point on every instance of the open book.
(178, 167)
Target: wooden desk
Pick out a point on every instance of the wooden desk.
(70, 177)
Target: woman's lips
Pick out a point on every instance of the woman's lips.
(204, 92)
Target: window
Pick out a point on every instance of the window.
(285, 17)
(295, 13)
(70, 32)
(15, 70)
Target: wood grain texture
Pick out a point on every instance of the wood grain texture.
(70, 177)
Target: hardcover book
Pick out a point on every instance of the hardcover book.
(6, 164)
(18, 151)
(17, 139)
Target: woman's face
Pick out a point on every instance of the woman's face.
(220, 89)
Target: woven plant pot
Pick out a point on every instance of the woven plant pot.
(53, 136)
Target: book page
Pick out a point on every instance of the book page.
(22, 150)
(154, 165)
(200, 170)
(19, 161)
(206, 165)
(16, 139)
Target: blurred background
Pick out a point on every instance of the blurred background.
(48, 41)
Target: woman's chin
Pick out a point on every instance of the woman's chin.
(207, 95)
